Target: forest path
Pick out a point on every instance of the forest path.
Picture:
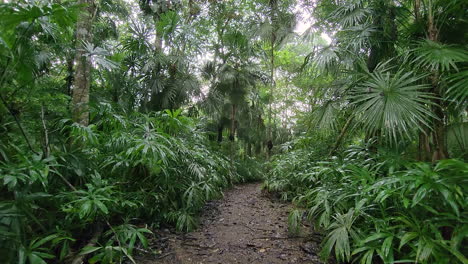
(243, 227)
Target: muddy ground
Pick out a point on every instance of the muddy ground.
(244, 227)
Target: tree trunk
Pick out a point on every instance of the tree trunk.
(152, 103)
(231, 138)
(270, 121)
(157, 36)
(82, 77)
(157, 42)
(439, 150)
(220, 133)
(233, 123)
(45, 142)
(69, 78)
(273, 20)
(417, 5)
(424, 148)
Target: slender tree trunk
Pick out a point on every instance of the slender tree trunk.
(158, 42)
(82, 77)
(233, 123)
(439, 150)
(220, 133)
(424, 148)
(270, 121)
(258, 149)
(116, 92)
(151, 102)
(273, 20)
(417, 5)
(258, 144)
(270, 115)
(69, 78)
(157, 35)
(45, 142)
(231, 138)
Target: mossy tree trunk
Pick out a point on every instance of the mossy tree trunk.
(82, 74)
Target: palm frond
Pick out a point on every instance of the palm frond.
(439, 57)
(326, 59)
(393, 103)
(457, 91)
(351, 13)
(324, 117)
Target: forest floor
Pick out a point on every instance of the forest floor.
(246, 226)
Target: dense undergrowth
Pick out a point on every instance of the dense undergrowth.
(81, 179)
(375, 206)
(106, 182)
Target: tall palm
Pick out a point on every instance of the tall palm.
(275, 30)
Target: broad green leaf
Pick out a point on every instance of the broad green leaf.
(101, 206)
(35, 259)
(387, 246)
(407, 237)
(88, 250)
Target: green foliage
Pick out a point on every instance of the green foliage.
(393, 103)
(294, 221)
(121, 241)
(391, 72)
(439, 57)
(250, 169)
(375, 209)
(396, 69)
(61, 181)
(95, 178)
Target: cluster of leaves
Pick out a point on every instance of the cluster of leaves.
(378, 209)
(104, 182)
(389, 75)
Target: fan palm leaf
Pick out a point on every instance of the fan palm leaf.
(393, 103)
(351, 13)
(439, 57)
(458, 89)
(324, 117)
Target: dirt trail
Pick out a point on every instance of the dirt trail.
(244, 227)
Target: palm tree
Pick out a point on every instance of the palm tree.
(379, 84)
(278, 26)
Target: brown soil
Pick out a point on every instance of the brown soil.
(244, 227)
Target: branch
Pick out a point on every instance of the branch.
(19, 125)
(46, 134)
(341, 136)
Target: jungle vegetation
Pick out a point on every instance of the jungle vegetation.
(118, 117)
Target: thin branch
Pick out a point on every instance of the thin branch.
(165, 255)
(46, 134)
(67, 182)
(19, 124)
(341, 136)
(116, 237)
